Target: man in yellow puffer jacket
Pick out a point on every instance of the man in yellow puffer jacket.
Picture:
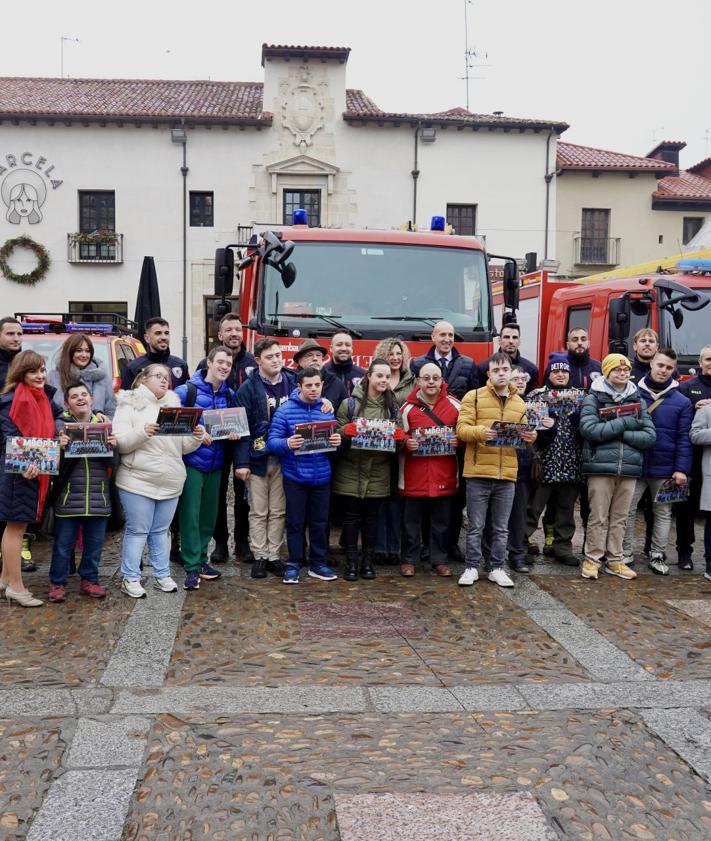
(490, 472)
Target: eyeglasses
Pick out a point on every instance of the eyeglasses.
(162, 377)
(434, 379)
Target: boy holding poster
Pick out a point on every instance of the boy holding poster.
(307, 478)
(81, 501)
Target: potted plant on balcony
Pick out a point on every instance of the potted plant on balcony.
(101, 236)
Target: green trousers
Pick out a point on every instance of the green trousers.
(197, 513)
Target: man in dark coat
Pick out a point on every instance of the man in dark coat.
(230, 335)
(10, 344)
(509, 343)
(645, 344)
(583, 369)
(157, 340)
(311, 355)
(341, 364)
(698, 390)
(459, 372)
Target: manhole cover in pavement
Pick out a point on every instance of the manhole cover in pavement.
(353, 620)
(431, 817)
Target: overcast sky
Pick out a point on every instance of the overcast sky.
(624, 74)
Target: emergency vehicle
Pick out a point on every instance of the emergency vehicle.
(302, 282)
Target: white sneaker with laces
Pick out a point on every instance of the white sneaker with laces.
(498, 576)
(166, 585)
(133, 589)
(656, 564)
(468, 577)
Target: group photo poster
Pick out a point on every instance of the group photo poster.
(21, 453)
(88, 440)
(178, 420)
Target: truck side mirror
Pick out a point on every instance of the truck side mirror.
(288, 275)
(619, 325)
(511, 285)
(224, 271)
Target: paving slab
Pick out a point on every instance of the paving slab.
(698, 609)
(654, 694)
(106, 743)
(485, 698)
(426, 817)
(85, 806)
(93, 701)
(209, 701)
(30, 703)
(688, 732)
(414, 699)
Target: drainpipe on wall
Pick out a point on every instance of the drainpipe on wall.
(184, 172)
(548, 177)
(415, 175)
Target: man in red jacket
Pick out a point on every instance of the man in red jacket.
(427, 480)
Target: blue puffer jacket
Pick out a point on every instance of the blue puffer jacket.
(311, 469)
(253, 397)
(207, 457)
(672, 420)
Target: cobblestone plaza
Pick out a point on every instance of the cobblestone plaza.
(393, 709)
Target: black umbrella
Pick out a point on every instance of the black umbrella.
(147, 297)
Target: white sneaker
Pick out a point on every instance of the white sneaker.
(133, 589)
(656, 564)
(167, 585)
(498, 576)
(468, 577)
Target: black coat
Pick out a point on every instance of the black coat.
(697, 388)
(333, 389)
(462, 374)
(19, 497)
(348, 373)
(242, 366)
(582, 371)
(6, 357)
(529, 367)
(179, 373)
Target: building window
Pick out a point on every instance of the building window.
(105, 310)
(578, 319)
(97, 209)
(594, 239)
(692, 225)
(309, 200)
(462, 217)
(202, 210)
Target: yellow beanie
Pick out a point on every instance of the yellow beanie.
(612, 361)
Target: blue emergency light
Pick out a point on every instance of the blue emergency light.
(694, 264)
(301, 217)
(437, 223)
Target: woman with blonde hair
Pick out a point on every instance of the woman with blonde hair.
(150, 478)
(76, 362)
(402, 382)
(26, 410)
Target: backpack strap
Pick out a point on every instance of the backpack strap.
(191, 394)
(432, 416)
(350, 407)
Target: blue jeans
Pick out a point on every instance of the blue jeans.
(66, 531)
(389, 526)
(484, 495)
(146, 520)
(306, 507)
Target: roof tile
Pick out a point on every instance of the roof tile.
(572, 156)
(686, 185)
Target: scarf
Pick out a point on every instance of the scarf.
(605, 387)
(32, 415)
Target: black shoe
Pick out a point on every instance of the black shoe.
(393, 559)
(175, 557)
(351, 573)
(276, 568)
(548, 552)
(244, 553)
(425, 555)
(569, 560)
(685, 561)
(533, 549)
(29, 566)
(220, 554)
(455, 555)
(259, 568)
(519, 566)
(380, 557)
(366, 569)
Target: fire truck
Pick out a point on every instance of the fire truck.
(301, 282)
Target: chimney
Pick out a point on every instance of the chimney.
(668, 150)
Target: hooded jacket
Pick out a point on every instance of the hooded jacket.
(614, 447)
(207, 457)
(428, 476)
(672, 418)
(701, 438)
(462, 373)
(151, 467)
(529, 367)
(362, 473)
(479, 410)
(314, 468)
(98, 383)
(348, 373)
(583, 370)
(178, 369)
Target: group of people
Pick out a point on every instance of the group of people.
(614, 434)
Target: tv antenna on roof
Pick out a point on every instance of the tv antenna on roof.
(472, 55)
(62, 39)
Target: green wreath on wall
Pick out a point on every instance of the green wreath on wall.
(40, 269)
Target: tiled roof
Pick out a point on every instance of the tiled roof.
(158, 99)
(700, 166)
(574, 157)
(686, 185)
(359, 108)
(288, 51)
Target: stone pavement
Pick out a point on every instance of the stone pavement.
(393, 709)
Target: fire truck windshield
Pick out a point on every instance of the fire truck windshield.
(380, 289)
(693, 334)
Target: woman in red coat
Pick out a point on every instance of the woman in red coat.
(427, 481)
(26, 411)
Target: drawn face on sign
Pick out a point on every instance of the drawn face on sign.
(23, 193)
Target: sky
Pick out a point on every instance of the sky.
(624, 74)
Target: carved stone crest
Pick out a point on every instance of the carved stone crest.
(302, 110)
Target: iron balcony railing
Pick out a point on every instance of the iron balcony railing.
(79, 251)
(597, 251)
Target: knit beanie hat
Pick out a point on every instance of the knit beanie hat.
(612, 361)
(558, 362)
